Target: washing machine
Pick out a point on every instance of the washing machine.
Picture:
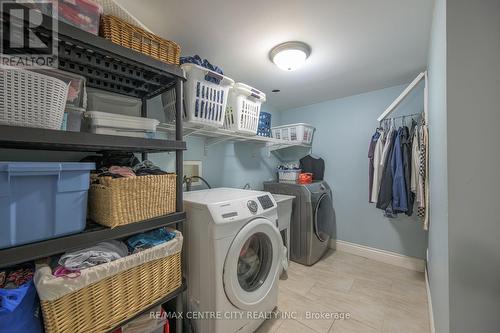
(233, 251)
(313, 219)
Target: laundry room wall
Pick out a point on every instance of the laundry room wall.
(343, 131)
(228, 164)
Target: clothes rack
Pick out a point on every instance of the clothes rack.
(405, 93)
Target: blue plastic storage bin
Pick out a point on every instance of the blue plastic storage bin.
(264, 128)
(41, 200)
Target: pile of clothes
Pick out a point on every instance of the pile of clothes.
(119, 165)
(71, 263)
(398, 169)
(15, 277)
(197, 60)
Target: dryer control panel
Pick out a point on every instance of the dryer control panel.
(265, 201)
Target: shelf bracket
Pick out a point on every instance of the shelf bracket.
(212, 142)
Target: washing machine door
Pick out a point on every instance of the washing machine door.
(323, 217)
(252, 263)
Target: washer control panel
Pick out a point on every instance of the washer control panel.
(252, 206)
(266, 201)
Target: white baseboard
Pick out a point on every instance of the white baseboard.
(429, 302)
(387, 257)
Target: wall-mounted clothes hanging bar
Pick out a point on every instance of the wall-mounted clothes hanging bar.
(406, 92)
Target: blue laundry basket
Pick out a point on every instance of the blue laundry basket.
(20, 310)
(264, 128)
(41, 200)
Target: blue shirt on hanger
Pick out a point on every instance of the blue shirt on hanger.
(399, 197)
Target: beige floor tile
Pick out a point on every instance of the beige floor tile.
(362, 308)
(396, 321)
(270, 326)
(351, 326)
(379, 297)
(301, 308)
(293, 326)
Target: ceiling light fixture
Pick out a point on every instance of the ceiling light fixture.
(290, 56)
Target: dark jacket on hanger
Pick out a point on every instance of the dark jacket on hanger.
(406, 146)
(316, 166)
(385, 192)
(399, 198)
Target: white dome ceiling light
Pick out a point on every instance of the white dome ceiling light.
(290, 56)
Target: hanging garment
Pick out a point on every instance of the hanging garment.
(385, 192)
(377, 169)
(421, 175)
(399, 198)
(406, 151)
(316, 166)
(371, 156)
(426, 180)
(415, 170)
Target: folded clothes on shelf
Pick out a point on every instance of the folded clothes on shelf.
(16, 277)
(147, 168)
(99, 254)
(149, 239)
(197, 60)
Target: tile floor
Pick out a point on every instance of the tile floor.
(379, 298)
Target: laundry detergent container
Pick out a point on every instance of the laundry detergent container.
(41, 200)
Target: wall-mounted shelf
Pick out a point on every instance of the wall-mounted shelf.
(214, 136)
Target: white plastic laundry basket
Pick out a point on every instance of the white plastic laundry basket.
(297, 133)
(31, 99)
(243, 109)
(204, 101)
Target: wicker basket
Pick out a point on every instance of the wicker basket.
(135, 38)
(119, 201)
(106, 295)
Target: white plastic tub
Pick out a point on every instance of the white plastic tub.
(300, 133)
(113, 103)
(114, 124)
(243, 109)
(288, 176)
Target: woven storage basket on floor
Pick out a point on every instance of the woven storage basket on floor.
(100, 306)
(135, 38)
(119, 201)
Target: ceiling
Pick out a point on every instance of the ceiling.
(357, 45)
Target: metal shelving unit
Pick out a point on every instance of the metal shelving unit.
(113, 68)
(44, 139)
(93, 234)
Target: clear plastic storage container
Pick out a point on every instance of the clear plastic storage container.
(115, 124)
(40, 200)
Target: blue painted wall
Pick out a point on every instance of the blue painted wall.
(343, 131)
(437, 265)
(226, 164)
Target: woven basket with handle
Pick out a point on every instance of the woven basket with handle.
(102, 305)
(119, 201)
(125, 34)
